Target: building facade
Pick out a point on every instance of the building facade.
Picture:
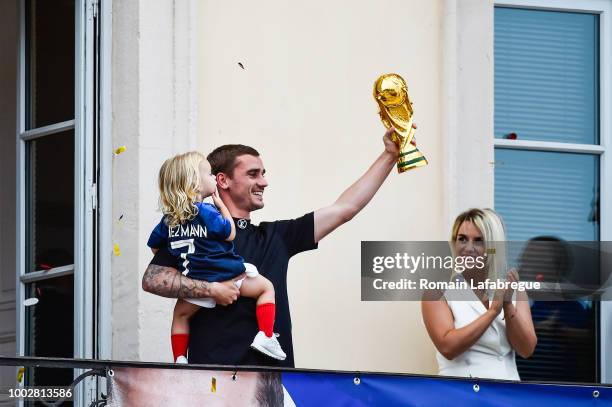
(160, 77)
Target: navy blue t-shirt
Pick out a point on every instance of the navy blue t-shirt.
(223, 335)
(201, 244)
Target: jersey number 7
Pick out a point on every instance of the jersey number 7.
(188, 243)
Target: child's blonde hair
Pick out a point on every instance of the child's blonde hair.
(179, 178)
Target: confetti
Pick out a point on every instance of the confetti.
(213, 385)
(30, 301)
(116, 250)
(45, 266)
(120, 150)
(120, 217)
(20, 374)
(240, 65)
(491, 251)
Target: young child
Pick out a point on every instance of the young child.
(202, 236)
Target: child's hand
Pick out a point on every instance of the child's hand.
(216, 200)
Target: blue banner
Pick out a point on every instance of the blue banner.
(324, 389)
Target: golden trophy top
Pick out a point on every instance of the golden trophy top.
(395, 110)
(391, 94)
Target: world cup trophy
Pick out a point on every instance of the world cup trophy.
(391, 94)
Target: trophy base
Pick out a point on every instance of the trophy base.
(411, 159)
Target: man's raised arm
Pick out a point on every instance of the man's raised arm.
(357, 196)
(169, 282)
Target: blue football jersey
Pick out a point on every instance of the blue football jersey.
(201, 245)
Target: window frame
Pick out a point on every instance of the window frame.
(85, 189)
(603, 149)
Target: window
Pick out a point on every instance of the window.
(56, 183)
(548, 163)
(49, 165)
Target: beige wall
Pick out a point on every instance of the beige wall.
(153, 115)
(304, 100)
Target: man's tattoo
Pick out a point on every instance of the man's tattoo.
(169, 282)
(188, 288)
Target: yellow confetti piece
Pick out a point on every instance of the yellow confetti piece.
(491, 251)
(213, 385)
(120, 150)
(116, 250)
(20, 374)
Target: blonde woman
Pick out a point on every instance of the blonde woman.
(476, 335)
(201, 235)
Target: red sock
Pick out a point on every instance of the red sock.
(265, 318)
(179, 344)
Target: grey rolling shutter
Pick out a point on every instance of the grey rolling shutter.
(546, 89)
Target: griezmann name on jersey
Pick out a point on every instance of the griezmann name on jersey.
(200, 246)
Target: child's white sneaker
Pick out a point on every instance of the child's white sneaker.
(268, 346)
(181, 360)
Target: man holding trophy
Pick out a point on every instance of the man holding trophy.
(222, 335)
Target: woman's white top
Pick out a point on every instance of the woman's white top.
(491, 356)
